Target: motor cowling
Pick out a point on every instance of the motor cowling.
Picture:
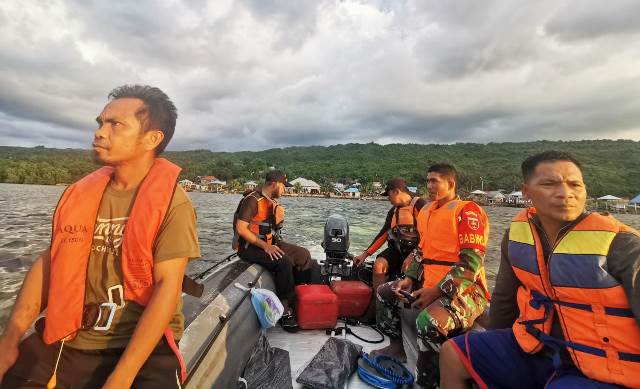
(336, 237)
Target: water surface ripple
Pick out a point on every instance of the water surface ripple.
(25, 229)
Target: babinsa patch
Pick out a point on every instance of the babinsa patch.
(472, 220)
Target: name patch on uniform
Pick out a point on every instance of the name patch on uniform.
(471, 228)
(475, 239)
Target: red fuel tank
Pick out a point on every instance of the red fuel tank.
(316, 307)
(353, 297)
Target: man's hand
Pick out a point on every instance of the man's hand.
(167, 291)
(8, 356)
(405, 284)
(30, 302)
(425, 296)
(359, 260)
(274, 252)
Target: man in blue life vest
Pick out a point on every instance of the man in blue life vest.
(565, 311)
(111, 279)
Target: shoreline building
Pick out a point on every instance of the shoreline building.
(308, 186)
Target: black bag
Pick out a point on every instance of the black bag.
(267, 368)
(331, 366)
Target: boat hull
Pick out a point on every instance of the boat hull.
(221, 326)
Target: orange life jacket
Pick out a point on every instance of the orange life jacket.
(439, 241)
(266, 223)
(602, 335)
(404, 227)
(72, 236)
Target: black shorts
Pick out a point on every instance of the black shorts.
(86, 368)
(394, 259)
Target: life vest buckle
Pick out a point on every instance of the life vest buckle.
(120, 290)
(112, 311)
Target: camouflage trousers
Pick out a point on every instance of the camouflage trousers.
(442, 319)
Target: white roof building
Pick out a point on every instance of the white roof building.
(609, 198)
(308, 186)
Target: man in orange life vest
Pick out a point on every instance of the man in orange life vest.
(111, 279)
(399, 230)
(257, 224)
(446, 276)
(566, 306)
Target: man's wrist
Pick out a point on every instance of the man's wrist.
(11, 335)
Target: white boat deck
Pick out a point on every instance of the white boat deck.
(304, 345)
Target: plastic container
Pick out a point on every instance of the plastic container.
(317, 307)
(353, 297)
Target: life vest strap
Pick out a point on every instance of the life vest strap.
(556, 344)
(427, 261)
(168, 334)
(629, 357)
(94, 314)
(538, 299)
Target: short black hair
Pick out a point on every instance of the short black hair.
(529, 165)
(158, 111)
(446, 170)
(275, 176)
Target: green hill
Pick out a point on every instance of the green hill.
(611, 167)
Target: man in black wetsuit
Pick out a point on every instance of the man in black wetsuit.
(399, 231)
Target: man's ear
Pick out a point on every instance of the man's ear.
(452, 183)
(153, 138)
(524, 189)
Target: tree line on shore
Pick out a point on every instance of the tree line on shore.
(610, 166)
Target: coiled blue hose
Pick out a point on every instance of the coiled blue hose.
(385, 378)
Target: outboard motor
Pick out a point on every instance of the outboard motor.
(336, 237)
(338, 262)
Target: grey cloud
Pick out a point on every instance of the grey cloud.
(469, 37)
(20, 132)
(589, 19)
(296, 20)
(249, 74)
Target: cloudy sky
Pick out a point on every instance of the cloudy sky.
(257, 74)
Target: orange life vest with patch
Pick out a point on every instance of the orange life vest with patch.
(439, 241)
(72, 236)
(266, 223)
(600, 331)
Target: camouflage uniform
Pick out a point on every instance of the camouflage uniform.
(463, 300)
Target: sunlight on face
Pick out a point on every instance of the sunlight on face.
(557, 191)
(119, 137)
(279, 190)
(395, 197)
(439, 186)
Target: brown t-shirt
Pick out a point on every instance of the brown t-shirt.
(178, 238)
